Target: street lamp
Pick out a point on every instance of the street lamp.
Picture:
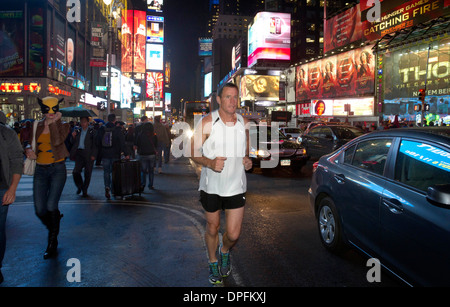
(115, 8)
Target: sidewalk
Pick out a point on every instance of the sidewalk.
(152, 240)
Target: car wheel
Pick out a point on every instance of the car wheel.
(329, 225)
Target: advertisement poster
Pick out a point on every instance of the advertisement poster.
(154, 82)
(11, 43)
(269, 37)
(155, 29)
(155, 5)
(346, 74)
(256, 87)
(139, 23)
(358, 24)
(36, 44)
(155, 57)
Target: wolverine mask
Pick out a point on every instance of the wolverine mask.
(49, 104)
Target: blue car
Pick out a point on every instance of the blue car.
(387, 193)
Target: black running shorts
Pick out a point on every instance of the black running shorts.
(214, 202)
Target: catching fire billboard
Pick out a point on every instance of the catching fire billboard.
(370, 20)
(269, 37)
(346, 74)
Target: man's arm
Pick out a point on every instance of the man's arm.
(201, 133)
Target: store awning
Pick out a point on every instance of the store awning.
(438, 26)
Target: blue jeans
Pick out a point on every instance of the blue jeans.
(48, 184)
(107, 171)
(147, 166)
(3, 213)
(159, 149)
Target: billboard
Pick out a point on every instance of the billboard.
(269, 37)
(133, 42)
(155, 5)
(126, 91)
(155, 57)
(346, 74)
(259, 87)
(155, 29)
(370, 20)
(205, 46)
(154, 82)
(407, 70)
(207, 84)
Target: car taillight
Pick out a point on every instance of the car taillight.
(315, 165)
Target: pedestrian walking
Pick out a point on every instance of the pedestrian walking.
(11, 167)
(50, 174)
(163, 142)
(112, 140)
(84, 153)
(220, 144)
(146, 143)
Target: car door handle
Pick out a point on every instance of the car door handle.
(393, 205)
(340, 178)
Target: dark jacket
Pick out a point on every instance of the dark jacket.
(146, 140)
(90, 145)
(118, 142)
(11, 153)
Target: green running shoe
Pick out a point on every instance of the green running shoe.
(225, 263)
(214, 275)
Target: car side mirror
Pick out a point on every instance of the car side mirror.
(439, 194)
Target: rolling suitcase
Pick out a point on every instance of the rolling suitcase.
(126, 177)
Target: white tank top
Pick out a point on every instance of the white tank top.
(230, 142)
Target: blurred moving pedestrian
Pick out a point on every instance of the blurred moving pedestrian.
(163, 142)
(146, 143)
(11, 167)
(84, 153)
(25, 133)
(50, 174)
(112, 140)
(129, 141)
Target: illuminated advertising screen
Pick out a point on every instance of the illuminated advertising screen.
(155, 5)
(208, 84)
(269, 37)
(205, 46)
(155, 57)
(126, 91)
(348, 73)
(359, 106)
(133, 42)
(322, 107)
(155, 29)
(258, 87)
(154, 82)
(359, 24)
(115, 84)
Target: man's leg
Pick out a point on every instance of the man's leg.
(234, 219)
(212, 234)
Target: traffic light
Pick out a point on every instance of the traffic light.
(422, 94)
(426, 107)
(417, 107)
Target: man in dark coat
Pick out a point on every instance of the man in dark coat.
(84, 153)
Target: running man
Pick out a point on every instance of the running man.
(220, 144)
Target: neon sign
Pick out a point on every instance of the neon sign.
(19, 87)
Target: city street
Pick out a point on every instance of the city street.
(156, 239)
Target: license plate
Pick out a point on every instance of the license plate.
(285, 162)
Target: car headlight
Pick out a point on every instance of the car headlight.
(261, 153)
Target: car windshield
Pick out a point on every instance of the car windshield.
(348, 132)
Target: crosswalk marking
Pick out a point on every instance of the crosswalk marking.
(25, 187)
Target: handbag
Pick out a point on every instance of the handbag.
(29, 165)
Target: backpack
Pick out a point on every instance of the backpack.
(107, 139)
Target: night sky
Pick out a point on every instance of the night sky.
(185, 22)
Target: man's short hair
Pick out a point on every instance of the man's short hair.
(229, 84)
(111, 117)
(144, 118)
